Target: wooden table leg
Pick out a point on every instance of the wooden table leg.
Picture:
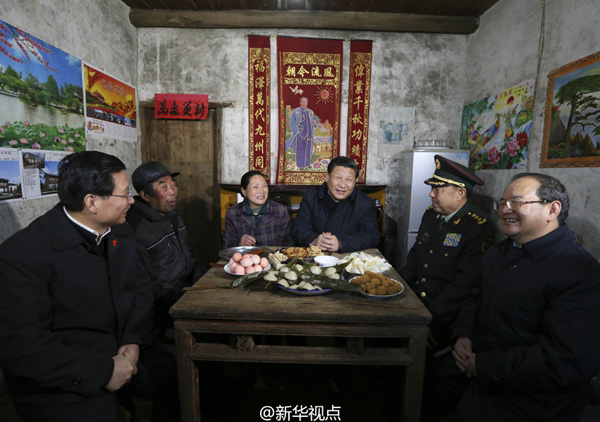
(189, 394)
(413, 379)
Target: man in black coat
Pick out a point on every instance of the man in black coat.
(163, 242)
(75, 302)
(529, 340)
(443, 266)
(336, 216)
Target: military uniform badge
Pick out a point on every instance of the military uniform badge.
(452, 239)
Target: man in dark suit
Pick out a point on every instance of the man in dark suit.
(443, 266)
(336, 216)
(75, 302)
(528, 339)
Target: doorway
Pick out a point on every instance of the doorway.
(191, 148)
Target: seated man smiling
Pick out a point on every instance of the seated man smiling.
(335, 216)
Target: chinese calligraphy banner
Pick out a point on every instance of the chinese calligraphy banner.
(259, 103)
(110, 106)
(358, 104)
(181, 106)
(310, 80)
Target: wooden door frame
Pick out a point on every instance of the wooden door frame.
(218, 107)
(144, 106)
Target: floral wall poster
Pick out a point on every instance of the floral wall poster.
(41, 94)
(496, 129)
(396, 125)
(110, 106)
(572, 115)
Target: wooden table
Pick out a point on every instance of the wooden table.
(254, 311)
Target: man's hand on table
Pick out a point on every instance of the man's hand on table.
(327, 242)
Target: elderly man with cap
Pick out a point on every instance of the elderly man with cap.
(443, 266)
(162, 238)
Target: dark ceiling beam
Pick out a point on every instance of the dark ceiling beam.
(300, 19)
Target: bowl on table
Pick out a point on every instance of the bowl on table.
(326, 260)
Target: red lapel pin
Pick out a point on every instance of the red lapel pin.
(115, 243)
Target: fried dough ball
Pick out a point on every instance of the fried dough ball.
(392, 290)
(377, 284)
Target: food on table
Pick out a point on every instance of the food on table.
(361, 262)
(305, 277)
(297, 276)
(377, 284)
(302, 252)
(247, 264)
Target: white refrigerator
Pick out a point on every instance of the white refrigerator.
(417, 166)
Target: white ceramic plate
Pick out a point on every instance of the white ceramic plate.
(302, 292)
(227, 269)
(382, 296)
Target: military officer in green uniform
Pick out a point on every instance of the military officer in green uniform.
(443, 266)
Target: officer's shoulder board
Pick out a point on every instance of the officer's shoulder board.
(477, 218)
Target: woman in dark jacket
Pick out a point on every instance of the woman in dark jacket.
(257, 221)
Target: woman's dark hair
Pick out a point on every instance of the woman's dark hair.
(551, 189)
(86, 172)
(343, 162)
(246, 177)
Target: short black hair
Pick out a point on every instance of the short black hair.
(148, 189)
(83, 173)
(249, 175)
(343, 162)
(550, 189)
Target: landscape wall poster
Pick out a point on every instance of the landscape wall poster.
(572, 115)
(110, 106)
(496, 129)
(41, 94)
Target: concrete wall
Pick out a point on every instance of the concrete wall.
(99, 33)
(422, 71)
(435, 74)
(518, 40)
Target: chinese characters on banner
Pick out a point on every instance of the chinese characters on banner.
(110, 106)
(181, 106)
(358, 104)
(310, 78)
(259, 103)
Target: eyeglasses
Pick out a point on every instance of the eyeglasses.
(514, 204)
(128, 195)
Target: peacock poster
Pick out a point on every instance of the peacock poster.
(496, 129)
